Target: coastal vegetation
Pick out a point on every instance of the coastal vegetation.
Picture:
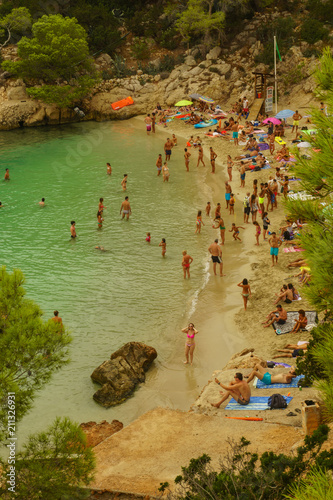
(55, 462)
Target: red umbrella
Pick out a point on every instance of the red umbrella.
(273, 120)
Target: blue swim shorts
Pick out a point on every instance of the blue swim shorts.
(274, 251)
(227, 196)
(234, 135)
(266, 379)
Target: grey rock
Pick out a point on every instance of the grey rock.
(214, 53)
(190, 61)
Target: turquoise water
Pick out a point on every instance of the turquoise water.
(106, 298)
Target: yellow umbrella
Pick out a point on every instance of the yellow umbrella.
(183, 103)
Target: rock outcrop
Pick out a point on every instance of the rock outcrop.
(122, 373)
(96, 433)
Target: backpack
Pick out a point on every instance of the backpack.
(277, 401)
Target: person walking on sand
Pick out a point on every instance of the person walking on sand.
(296, 117)
(218, 210)
(242, 175)
(232, 204)
(153, 122)
(167, 149)
(163, 245)
(148, 122)
(235, 229)
(174, 140)
(238, 389)
(247, 208)
(199, 223)
(246, 293)
(159, 162)
(208, 207)
(187, 159)
(275, 243)
(221, 227)
(73, 230)
(186, 262)
(266, 222)
(258, 231)
(108, 169)
(213, 156)
(230, 164)
(235, 129)
(7, 175)
(124, 182)
(200, 155)
(227, 193)
(166, 172)
(190, 343)
(126, 208)
(215, 250)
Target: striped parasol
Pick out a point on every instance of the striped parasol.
(206, 99)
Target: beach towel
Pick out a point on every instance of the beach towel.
(280, 364)
(279, 140)
(289, 324)
(258, 131)
(255, 404)
(262, 146)
(293, 383)
(292, 250)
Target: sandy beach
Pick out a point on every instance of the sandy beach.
(219, 312)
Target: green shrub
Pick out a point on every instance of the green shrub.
(322, 10)
(106, 74)
(312, 31)
(311, 52)
(266, 56)
(295, 75)
(169, 39)
(140, 49)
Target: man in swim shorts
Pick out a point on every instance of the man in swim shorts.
(296, 118)
(186, 262)
(227, 193)
(126, 208)
(268, 379)
(148, 121)
(216, 253)
(275, 243)
(238, 389)
(167, 149)
(247, 208)
(235, 129)
(279, 315)
(242, 174)
(73, 231)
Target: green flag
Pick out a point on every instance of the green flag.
(277, 50)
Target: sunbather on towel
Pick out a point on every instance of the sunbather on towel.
(292, 353)
(268, 379)
(238, 389)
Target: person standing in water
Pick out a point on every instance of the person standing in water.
(200, 155)
(187, 159)
(165, 172)
(213, 156)
(124, 182)
(7, 174)
(167, 149)
(216, 253)
(190, 342)
(73, 230)
(159, 164)
(186, 262)
(221, 227)
(199, 222)
(42, 203)
(148, 122)
(246, 293)
(99, 219)
(126, 208)
(208, 208)
(153, 122)
(163, 245)
(108, 169)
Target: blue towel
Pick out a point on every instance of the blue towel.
(293, 383)
(256, 404)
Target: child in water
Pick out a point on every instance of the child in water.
(199, 223)
(148, 237)
(258, 231)
(99, 219)
(246, 291)
(208, 207)
(163, 245)
(235, 229)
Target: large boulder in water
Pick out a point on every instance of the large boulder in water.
(122, 373)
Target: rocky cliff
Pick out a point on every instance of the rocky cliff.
(225, 74)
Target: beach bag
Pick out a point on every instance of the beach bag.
(270, 364)
(276, 401)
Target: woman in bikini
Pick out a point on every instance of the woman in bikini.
(253, 207)
(230, 163)
(166, 173)
(190, 343)
(99, 219)
(246, 293)
(124, 182)
(199, 222)
(262, 199)
(163, 245)
(220, 225)
(258, 231)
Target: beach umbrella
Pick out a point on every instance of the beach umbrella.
(206, 99)
(195, 96)
(304, 145)
(183, 103)
(285, 113)
(273, 120)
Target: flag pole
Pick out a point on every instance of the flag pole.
(275, 74)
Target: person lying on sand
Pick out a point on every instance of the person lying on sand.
(238, 389)
(268, 379)
(291, 353)
(279, 315)
(297, 263)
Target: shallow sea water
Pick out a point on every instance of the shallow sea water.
(128, 293)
